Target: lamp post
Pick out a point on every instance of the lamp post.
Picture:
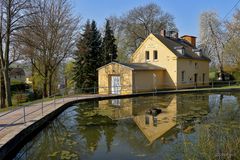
(111, 55)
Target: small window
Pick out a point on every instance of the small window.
(183, 76)
(203, 78)
(155, 55)
(180, 49)
(147, 56)
(195, 77)
(196, 65)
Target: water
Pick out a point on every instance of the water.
(191, 126)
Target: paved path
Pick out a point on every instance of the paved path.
(12, 123)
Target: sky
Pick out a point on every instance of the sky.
(185, 12)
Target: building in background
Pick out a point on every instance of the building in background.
(17, 75)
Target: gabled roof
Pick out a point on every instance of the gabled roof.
(137, 66)
(16, 72)
(172, 43)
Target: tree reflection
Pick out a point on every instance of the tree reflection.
(205, 126)
(92, 126)
(218, 134)
(109, 132)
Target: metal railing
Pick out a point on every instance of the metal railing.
(61, 96)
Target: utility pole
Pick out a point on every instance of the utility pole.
(111, 55)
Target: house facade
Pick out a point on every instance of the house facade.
(17, 75)
(161, 62)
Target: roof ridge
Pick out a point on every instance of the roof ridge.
(171, 43)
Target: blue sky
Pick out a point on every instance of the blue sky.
(186, 12)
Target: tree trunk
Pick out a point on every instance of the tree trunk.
(45, 87)
(45, 83)
(3, 95)
(33, 81)
(7, 87)
(50, 85)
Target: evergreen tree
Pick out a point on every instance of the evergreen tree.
(87, 57)
(96, 51)
(109, 47)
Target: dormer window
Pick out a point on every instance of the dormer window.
(198, 52)
(180, 49)
(147, 56)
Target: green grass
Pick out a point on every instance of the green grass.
(233, 86)
(27, 104)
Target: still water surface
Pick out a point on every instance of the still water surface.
(191, 126)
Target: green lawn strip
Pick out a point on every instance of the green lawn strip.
(27, 104)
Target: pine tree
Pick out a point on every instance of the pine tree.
(96, 51)
(109, 47)
(87, 57)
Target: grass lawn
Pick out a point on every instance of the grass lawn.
(27, 104)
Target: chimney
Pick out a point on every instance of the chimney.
(163, 33)
(190, 39)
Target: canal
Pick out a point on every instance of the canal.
(190, 126)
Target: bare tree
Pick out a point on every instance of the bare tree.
(12, 13)
(213, 38)
(232, 46)
(50, 37)
(132, 28)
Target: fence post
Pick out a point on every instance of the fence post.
(42, 104)
(229, 83)
(24, 114)
(94, 90)
(54, 101)
(212, 83)
(63, 94)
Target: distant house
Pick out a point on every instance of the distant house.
(28, 80)
(162, 61)
(17, 74)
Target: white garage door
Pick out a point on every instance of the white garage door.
(115, 84)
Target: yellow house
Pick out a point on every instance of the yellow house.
(161, 62)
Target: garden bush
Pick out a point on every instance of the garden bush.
(20, 98)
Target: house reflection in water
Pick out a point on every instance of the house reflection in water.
(174, 109)
(116, 109)
(152, 127)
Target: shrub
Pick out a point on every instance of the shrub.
(236, 76)
(20, 98)
(213, 76)
(19, 87)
